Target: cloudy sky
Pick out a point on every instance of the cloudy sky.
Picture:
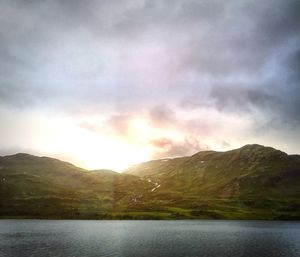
(105, 84)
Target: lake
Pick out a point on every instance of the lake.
(68, 238)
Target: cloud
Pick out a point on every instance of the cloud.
(162, 115)
(193, 66)
(68, 52)
(119, 124)
(165, 147)
(241, 99)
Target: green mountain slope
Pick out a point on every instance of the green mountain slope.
(44, 187)
(250, 182)
(219, 174)
(253, 182)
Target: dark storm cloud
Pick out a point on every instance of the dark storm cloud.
(242, 99)
(293, 63)
(88, 54)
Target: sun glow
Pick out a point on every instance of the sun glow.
(117, 151)
(100, 148)
(91, 142)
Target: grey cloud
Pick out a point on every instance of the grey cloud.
(162, 115)
(66, 55)
(282, 22)
(242, 99)
(201, 127)
(214, 37)
(243, 41)
(293, 64)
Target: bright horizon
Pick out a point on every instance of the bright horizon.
(107, 84)
(119, 167)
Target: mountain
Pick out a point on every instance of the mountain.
(252, 182)
(44, 187)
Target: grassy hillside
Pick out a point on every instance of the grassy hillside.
(44, 187)
(253, 182)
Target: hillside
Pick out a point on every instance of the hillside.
(252, 182)
(44, 187)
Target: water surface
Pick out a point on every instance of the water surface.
(38, 238)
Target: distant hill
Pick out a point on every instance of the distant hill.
(44, 187)
(252, 182)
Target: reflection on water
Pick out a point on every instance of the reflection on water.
(35, 238)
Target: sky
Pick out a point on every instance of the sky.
(107, 84)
